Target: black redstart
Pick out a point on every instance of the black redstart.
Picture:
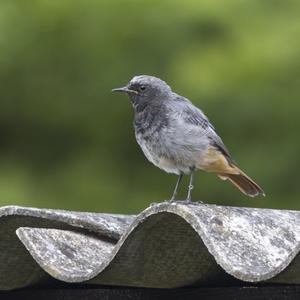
(177, 137)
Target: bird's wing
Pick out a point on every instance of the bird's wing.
(218, 143)
(193, 115)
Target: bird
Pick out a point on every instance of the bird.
(177, 137)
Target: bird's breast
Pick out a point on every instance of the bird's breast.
(169, 143)
(146, 144)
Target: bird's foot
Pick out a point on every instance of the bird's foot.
(185, 202)
(188, 201)
(172, 200)
(200, 202)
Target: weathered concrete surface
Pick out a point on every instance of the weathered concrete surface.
(18, 269)
(167, 245)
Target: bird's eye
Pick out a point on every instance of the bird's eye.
(142, 87)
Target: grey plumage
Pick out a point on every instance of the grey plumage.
(176, 136)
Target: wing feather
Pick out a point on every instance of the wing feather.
(193, 115)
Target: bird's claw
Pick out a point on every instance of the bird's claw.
(188, 201)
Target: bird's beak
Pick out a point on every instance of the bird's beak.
(124, 89)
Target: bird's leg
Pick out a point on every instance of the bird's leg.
(189, 195)
(176, 187)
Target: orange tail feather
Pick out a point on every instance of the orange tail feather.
(244, 183)
(215, 162)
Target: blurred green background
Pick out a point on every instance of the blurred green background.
(68, 142)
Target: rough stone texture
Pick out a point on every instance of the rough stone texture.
(166, 246)
(18, 269)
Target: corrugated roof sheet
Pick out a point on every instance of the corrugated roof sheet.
(166, 246)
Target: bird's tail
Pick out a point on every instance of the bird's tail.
(243, 182)
(215, 162)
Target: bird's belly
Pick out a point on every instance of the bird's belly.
(148, 151)
(170, 165)
(170, 158)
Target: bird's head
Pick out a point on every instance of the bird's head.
(145, 89)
